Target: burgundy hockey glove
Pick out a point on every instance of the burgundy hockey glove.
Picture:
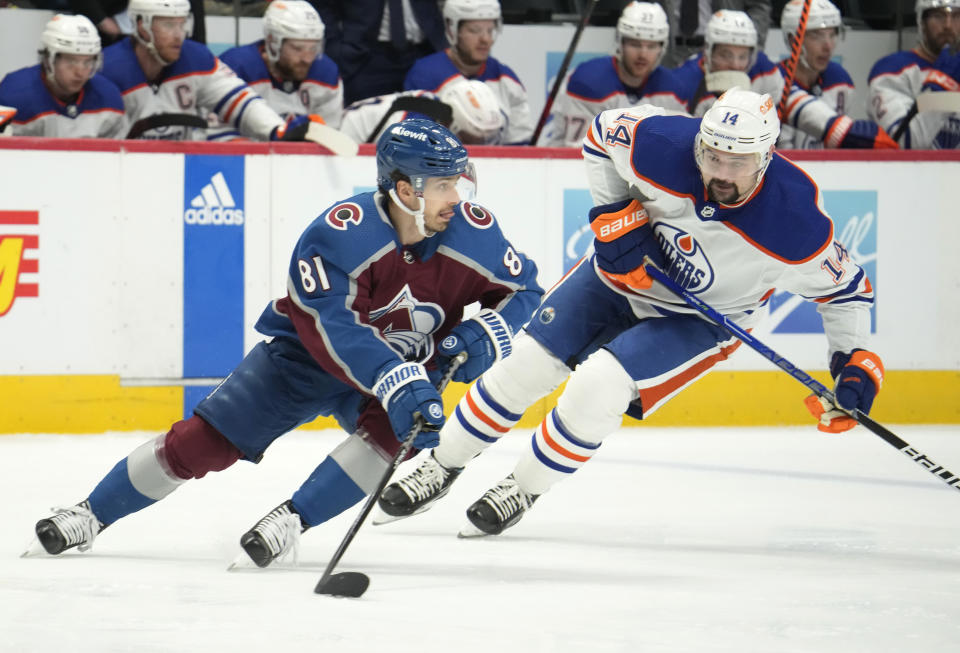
(859, 376)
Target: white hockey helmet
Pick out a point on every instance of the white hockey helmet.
(823, 15)
(477, 118)
(456, 11)
(644, 21)
(923, 6)
(68, 35)
(740, 122)
(290, 19)
(730, 27)
(147, 10)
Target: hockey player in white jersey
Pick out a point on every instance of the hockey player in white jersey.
(64, 96)
(469, 109)
(287, 68)
(726, 217)
(632, 76)
(159, 71)
(933, 65)
(472, 27)
(822, 90)
(731, 57)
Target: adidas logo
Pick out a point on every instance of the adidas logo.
(214, 205)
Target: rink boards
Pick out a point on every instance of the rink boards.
(131, 274)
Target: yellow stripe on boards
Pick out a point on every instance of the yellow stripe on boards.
(97, 403)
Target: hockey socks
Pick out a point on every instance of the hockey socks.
(478, 421)
(553, 455)
(137, 481)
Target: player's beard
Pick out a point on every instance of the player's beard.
(295, 73)
(728, 194)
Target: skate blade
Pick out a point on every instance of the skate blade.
(469, 531)
(242, 563)
(380, 517)
(34, 549)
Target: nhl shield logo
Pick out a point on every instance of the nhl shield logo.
(707, 212)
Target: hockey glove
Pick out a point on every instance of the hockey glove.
(295, 129)
(843, 131)
(859, 376)
(945, 74)
(405, 392)
(486, 338)
(623, 236)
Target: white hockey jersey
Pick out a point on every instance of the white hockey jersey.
(434, 72)
(97, 112)
(731, 256)
(895, 82)
(595, 86)
(320, 93)
(197, 83)
(765, 77)
(809, 110)
(363, 116)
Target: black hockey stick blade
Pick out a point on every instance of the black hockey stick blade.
(349, 584)
(165, 120)
(436, 110)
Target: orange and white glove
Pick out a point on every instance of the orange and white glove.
(859, 376)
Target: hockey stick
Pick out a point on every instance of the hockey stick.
(353, 584)
(795, 49)
(948, 101)
(165, 120)
(815, 386)
(563, 70)
(436, 110)
(334, 140)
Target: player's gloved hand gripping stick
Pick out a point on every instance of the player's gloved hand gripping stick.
(820, 390)
(354, 583)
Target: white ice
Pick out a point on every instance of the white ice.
(699, 540)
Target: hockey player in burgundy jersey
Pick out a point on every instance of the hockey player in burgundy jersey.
(64, 96)
(160, 71)
(472, 27)
(632, 76)
(372, 316)
(287, 68)
(822, 90)
(724, 216)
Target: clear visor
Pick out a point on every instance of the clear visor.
(173, 25)
(453, 189)
(727, 165)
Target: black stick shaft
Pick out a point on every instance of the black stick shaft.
(563, 71)
(818, 388)
(391, 468)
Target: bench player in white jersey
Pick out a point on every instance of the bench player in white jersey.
(934, 65)
(472, 27)
(474, 113)
(724, 216)
(822, 90)
(731, 57)
(632, 76)
(288, 68)
(64, 96)
(159, 71)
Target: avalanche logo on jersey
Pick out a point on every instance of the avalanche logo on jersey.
(685, 260)
(407, 323)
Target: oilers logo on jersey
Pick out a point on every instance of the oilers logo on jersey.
(686, 261)
(407, 323)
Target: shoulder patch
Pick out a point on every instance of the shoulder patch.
(342, 215)
(476, 215)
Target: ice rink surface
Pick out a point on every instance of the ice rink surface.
(699, 540)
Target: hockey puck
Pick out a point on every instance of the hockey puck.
(350, 584)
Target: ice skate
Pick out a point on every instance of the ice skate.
(275, 536)
(416, 492)
(498, 509)
(75, 526)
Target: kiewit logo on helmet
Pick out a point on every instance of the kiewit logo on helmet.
(403, 131)
(214, 205)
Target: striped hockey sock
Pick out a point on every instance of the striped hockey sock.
(554, 454)
(478, 421)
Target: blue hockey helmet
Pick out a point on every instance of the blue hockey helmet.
(419, 149)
